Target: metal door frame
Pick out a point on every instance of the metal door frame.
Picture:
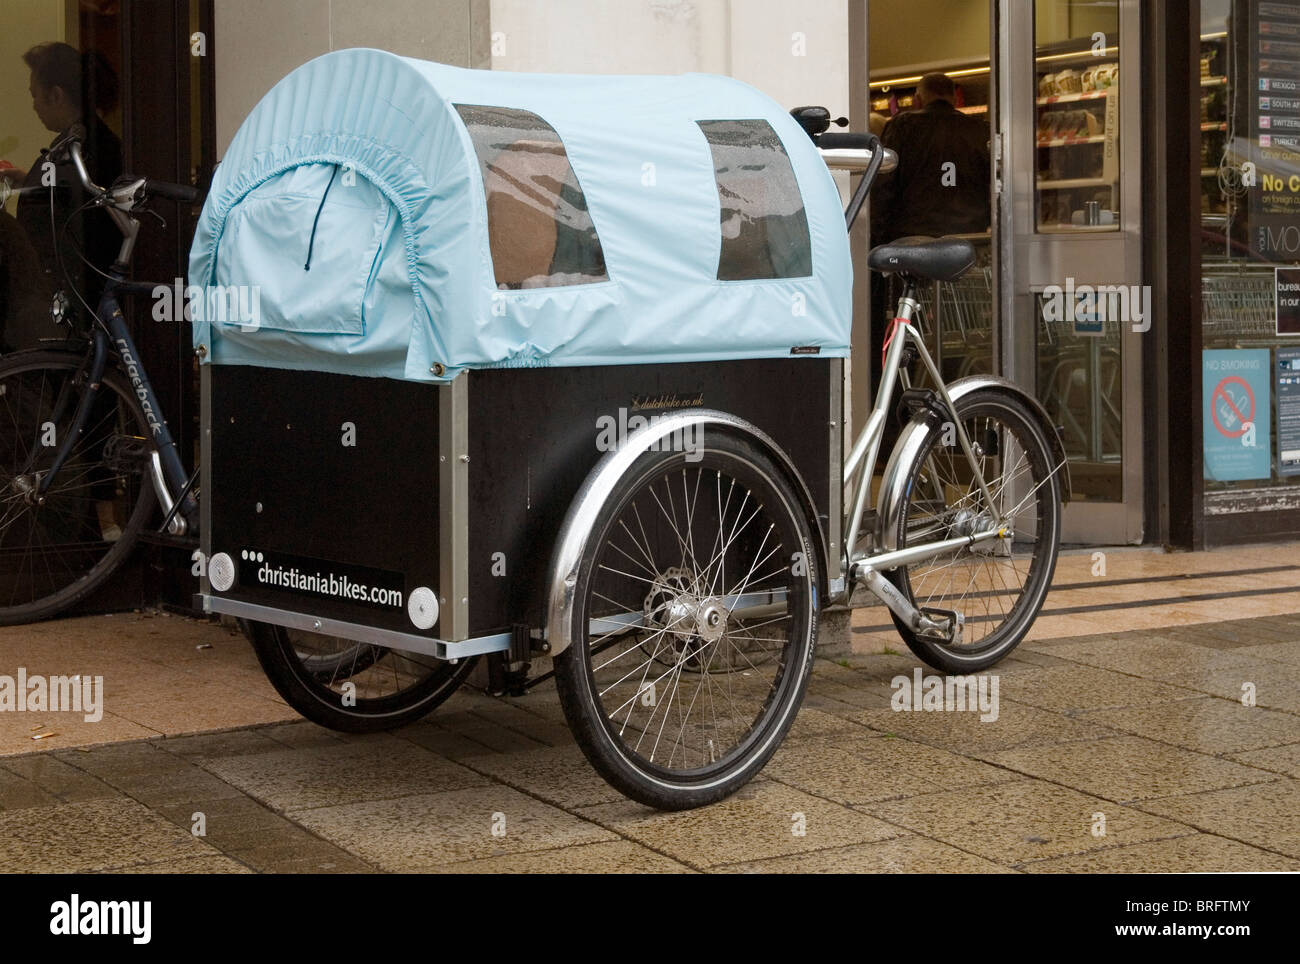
(1027, 262)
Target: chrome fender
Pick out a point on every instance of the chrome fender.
(893, 495)
(576, 530)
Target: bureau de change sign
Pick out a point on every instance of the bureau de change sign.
(1287, 294)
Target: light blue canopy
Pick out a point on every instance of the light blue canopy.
(384, 216)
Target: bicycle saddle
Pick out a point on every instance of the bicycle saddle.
(939, 259)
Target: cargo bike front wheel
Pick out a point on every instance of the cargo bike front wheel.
(350, 686)
(694, 623)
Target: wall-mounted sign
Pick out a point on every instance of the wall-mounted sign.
(1235, 398)
(1286, 288)
(1288, 411)
(1274, 127)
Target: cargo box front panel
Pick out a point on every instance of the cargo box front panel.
(324, 492)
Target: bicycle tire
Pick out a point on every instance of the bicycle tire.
(75, 569)
(679, 638)
(924, 583)
(305, 688)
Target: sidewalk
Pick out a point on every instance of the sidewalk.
(1122, 744)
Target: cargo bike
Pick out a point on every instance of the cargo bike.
(552, 368)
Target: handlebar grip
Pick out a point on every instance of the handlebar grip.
(830, 141)
(173, 192)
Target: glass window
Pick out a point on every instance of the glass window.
(61, 70)
(539, 229)
(1250, 243)
(1076, 69)
(764, 227)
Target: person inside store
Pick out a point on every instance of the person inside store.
(70, 90)
(941, 184)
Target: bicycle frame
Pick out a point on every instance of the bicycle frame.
(865, 567)
(861, 464)
(110, 334)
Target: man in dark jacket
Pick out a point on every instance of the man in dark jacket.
(68, 90)
(941, 185)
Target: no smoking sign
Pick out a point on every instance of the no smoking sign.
(1236, 437)
(1233, 406)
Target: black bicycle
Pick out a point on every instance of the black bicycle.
(84, 448)
(84, 453)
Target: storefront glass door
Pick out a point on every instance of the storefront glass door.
(1073, 308)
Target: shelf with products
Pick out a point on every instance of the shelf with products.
(1076, 139)
(1215, 108)
(1072, 141)
(1071, 98)
(1069, 184)
(1077, 122)
(892, 90)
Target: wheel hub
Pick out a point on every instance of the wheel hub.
(26, 487)
(967, 522)
(711, 619)
(670, 604)
(674, 606)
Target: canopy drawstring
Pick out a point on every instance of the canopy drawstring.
(316, 220)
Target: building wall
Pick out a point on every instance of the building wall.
(796, 53)
(257, 43)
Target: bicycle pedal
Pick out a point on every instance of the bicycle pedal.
(950, 625)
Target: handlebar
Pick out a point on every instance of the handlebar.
(172, 192)
(856, 152)
(856, 159)
(129, 191)
(831, 140)
(120, 201)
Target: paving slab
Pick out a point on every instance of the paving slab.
(855, 771)
(91, 835)
(765, 819)
(1019, 821)
(1266, 815)
(964, 732)
(613, 857)
(417, 833)
(1070, 688)
(1208, 725)
(1276, 759)
(909, 854)
(1195, 853)
(327, 776)
(1129, 768)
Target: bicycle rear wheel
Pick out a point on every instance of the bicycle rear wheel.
(56, 549)
(997, 586)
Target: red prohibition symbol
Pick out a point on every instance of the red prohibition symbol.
(1221, 394)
